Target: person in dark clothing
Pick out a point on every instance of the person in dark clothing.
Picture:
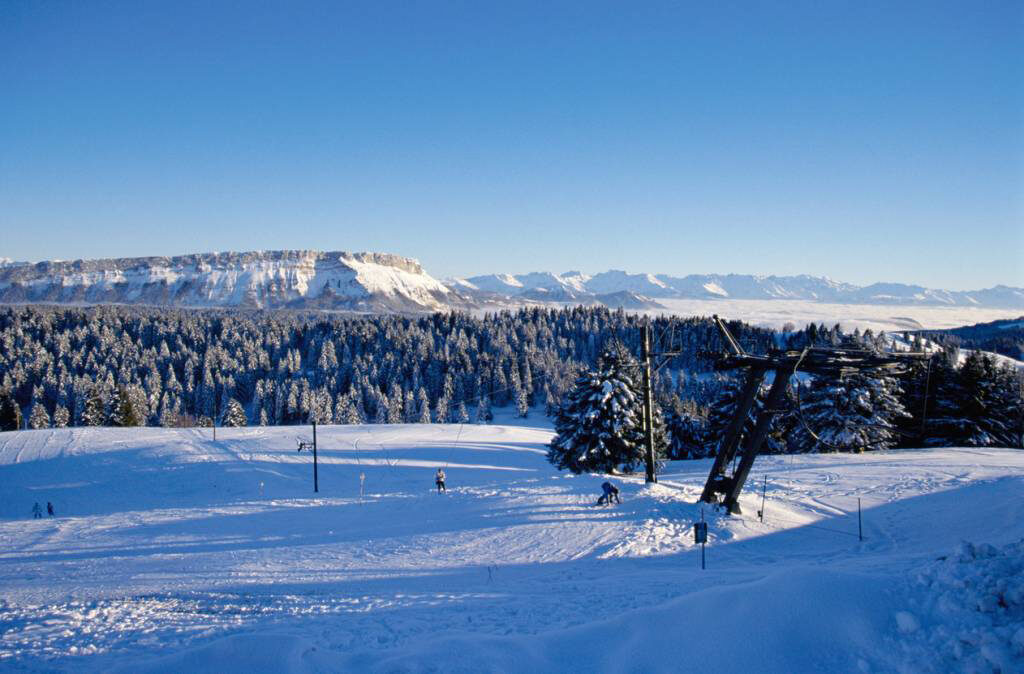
(439, 480)
(610, 492)
(49, 509)
(37, 512)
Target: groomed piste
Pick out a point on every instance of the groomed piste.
(173, 552)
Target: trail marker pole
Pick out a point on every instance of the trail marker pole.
(312, 445)
(860, 527)
(362, 479)
(764, 488)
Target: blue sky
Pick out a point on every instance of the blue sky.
(856, 140)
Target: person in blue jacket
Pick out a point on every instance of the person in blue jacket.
(610, 492)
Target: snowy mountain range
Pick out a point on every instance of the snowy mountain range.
(380, 282)
(578, 286)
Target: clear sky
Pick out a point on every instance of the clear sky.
(862, 141)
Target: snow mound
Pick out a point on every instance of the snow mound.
(967, 611)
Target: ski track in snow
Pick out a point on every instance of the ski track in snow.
(171, 552)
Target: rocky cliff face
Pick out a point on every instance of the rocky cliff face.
(296, 279)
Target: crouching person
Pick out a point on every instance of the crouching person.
(610, 491)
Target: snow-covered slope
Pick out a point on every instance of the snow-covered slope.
(171, 552)
(266, 279)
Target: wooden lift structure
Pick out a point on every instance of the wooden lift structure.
(835, 362)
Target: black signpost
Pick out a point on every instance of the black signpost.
(700, 535)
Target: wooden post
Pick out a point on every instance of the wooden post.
(730, 441)
(316, 482)
(860, 527)
(757, 436)
(645, 354)
(764, 488)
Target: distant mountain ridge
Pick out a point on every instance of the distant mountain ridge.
(382, 282)
(294, 279)
(736, 286)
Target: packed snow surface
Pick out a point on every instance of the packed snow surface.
(173, 552)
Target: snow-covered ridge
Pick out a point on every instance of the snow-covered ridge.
(262, 279)
(737, 287)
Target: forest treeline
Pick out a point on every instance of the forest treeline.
(127, 366)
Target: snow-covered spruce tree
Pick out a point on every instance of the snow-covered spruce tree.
(992, 402)
(483, 410)
(10, 413)
(600, 425)
(522, 403)
(94, 412)
(423, 403)
(39, 417)
(856, 413)
(122, 410)
(685, 435)
(234, 414)
(61, 417)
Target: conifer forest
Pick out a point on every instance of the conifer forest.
(131, 366)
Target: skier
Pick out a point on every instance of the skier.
(610, 492)
(439, 479)
(37, 512)
(49, 509)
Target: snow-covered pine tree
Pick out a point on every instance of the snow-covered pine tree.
(61, 417)
(234, 414)
(685, 435)
(38, 418)
(423, 402)
(522, 404)
(94, 413)
(461, 413)
(990, 402)
(550, 401)
(349, 413)
(856, 413)
(599, 428)
(483, 410)
(122, 409)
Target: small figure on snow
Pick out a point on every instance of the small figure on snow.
(439, 479)
(49, 509)
(610, 492)
(37, 512)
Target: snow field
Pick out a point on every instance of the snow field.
(172, 552)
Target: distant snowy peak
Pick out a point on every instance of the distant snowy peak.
(296, 279)
(575, 286)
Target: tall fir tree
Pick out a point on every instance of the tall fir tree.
(94, 412)
(234, 414)
(39, 417)
(857, 413)
(122, 410)
(599, 428)
(483, 410)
